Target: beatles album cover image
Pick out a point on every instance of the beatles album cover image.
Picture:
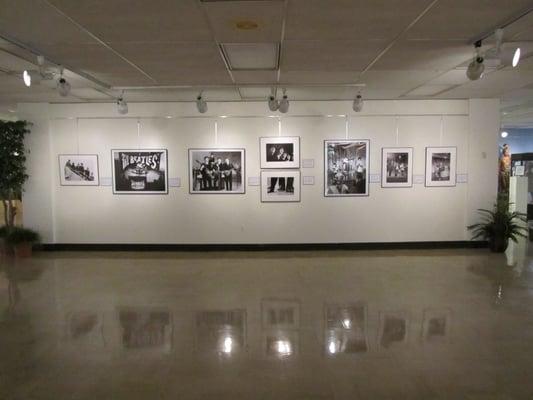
(140, 171)
(218, 171)
(346, 167)
(78, 170)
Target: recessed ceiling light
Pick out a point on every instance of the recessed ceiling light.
(246, 25)
(251, 56)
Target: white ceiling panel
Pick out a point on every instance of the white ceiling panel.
(265, 77)
(412, 55)
(138, 20)
(350, 19)
(222, 94)
(396, 79)
(321, 55)
(226, 16)
(323, 77)
(251, 56)
(464, 20)
(254, 93)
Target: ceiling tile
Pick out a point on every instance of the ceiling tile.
(396, 79)
(322, 77)
(251, 77)
(224, 16)
(350, 19)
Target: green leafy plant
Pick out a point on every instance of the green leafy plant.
(499, 225)
(18, 235)
(3, 231)
(12, 166)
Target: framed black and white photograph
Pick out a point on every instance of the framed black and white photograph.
(346, 167)
(280, 152)
(220, 171)
(441, 165)
(140, 171)
(280, 186)
(78, 170)
(396, 167)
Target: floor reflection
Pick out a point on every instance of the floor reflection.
(340, 325)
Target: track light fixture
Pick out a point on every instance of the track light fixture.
(358, 103)
(34, 77)
(122, 106)
(284, 103)
(476, 67)
(516, 57)
(63, 87)
(201, 104)
(273, 104)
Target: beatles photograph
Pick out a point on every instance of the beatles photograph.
(346, 167)
(140, 171)
(397, 167)
(78, 170)
(440, 166)
(216, 171)
(280, 186)
(280, 152)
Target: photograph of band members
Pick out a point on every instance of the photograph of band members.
(78, 169)
(280, 152)
(216, 171)
(346, 170)
(397, 167)
(440, 166)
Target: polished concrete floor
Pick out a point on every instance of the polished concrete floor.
(442, 324)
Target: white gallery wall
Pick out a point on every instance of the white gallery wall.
(69, 214)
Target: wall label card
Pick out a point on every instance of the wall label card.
(254, 181)
(375, 178)
(418, 179)
(308, 180)
(462, 178)
(174, 182)
(308, 163)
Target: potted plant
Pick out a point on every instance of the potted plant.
(499, 225)
(21, 240)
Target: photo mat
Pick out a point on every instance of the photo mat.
(441, 164)
(280, 152)
(280, 186)
(78, 170)
(217, 171)
(346, 167)
(396, 167)
(140, 171)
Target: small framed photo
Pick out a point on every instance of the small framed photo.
(346, 167)
(280, 152)
(140, 171)
(280, 186)
(78, 170)
(441, 163)
(396, 167)
(216, 171)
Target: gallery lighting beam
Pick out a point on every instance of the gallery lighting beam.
(358, 103)
(201, 104)
(476, 67)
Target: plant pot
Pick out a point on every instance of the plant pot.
(23, 250)
(5, 249)
(498, 244)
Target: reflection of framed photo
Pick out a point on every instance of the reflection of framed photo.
(280, 152)
(280, 314)
(280, 186)
(346, 168)
(436, 326)
(78, 170)
(393, 329)
(146, 329)
(221, 331)
(396, 167)
(220, 171)
(441, 163)
(140, 171)
(345, 329)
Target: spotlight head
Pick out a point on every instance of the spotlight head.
(284, 104)
(516, 57)
(504, 134)
(63, 87)
(273, 104)
(358, 103)
(201, 104)
(122, 106)
(475, 69)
